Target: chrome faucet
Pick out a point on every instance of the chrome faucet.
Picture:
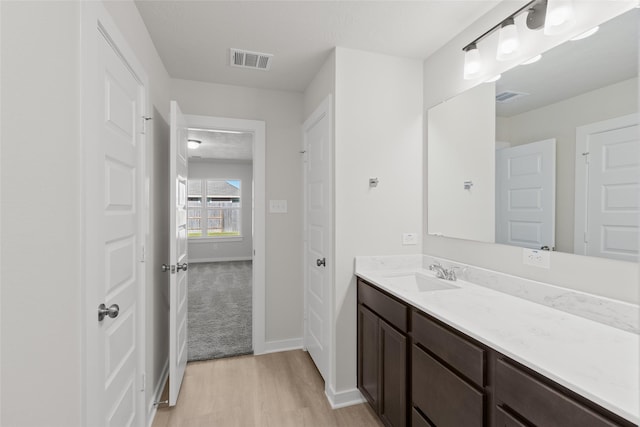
(443, 273)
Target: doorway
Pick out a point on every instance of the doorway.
(226, 218)
(114, 217)
(526, 195)
(606, 202)
(318, 237)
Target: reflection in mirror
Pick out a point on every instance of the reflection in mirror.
(567, 150)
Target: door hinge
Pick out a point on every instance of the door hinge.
(144, 123)
(142, 254)
(585, 237)
(586, 157)
(144, 382)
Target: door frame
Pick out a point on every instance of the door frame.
(324, 109)
(582, 173)
(94, 17)
(258, 128)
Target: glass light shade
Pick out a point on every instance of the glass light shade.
(193, 144)
(494, 78)
(472, 63)
(586, 34)
(532, 60)
(559, 17)
(507, 41)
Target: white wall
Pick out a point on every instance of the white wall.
(323, 84)
(462, 131)
(560, 121)
(40, 162)
(282, 112)
(206, 250)
(442, 80)
(378, 133)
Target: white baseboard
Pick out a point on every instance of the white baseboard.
(283, 345)
(345, 398)
(220, 259)
(157, 394)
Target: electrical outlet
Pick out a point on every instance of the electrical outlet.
(536, 257)
(409, 239)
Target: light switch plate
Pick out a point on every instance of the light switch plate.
(536, 258)
(409, 238)
(277, 206)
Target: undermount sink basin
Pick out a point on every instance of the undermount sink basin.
(417, 282)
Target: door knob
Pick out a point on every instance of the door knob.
(112, 311)
(165, 268)
(321, 262)
(182, 267)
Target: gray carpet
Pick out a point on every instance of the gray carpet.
(219, 314)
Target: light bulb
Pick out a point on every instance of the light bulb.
(559, 17)
(471, 61)
(507, 40)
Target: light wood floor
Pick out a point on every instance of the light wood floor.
(277, 389)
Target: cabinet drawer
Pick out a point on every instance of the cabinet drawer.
(446, 399)
(462, 355)
(394, 312)
(503, 419)
(539, 403)
(418, 420)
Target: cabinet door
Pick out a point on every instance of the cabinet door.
(393, 350)
(446, 399)
(368, 355)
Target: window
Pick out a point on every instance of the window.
(214, 208)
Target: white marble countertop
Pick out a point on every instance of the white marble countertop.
(597, 361)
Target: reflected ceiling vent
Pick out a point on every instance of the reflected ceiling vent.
(255, 60)
(509, 96)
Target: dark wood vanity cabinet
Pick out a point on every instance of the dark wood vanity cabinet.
(415, 370)
(382, 354)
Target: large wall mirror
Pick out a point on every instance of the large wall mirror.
(548, 157)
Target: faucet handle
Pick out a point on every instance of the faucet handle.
(451, 275)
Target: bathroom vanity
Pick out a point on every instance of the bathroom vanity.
(433, 352)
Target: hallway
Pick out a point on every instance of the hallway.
(276, 389)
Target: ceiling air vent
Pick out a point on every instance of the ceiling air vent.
(255, 60)
(509, 96)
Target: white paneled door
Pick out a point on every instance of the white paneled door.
(318, 236)
(178, 169)
(113, 239)
(613, 192)
(526, 195)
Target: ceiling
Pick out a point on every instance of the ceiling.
(575, 67)
(222, 145)
(193, 38)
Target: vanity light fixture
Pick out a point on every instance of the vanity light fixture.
(559, 17)
(556, 16)
(508, 37)
(586, 34)
(532, 60)
(471, 61)
(507, 40)
(193, 143)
